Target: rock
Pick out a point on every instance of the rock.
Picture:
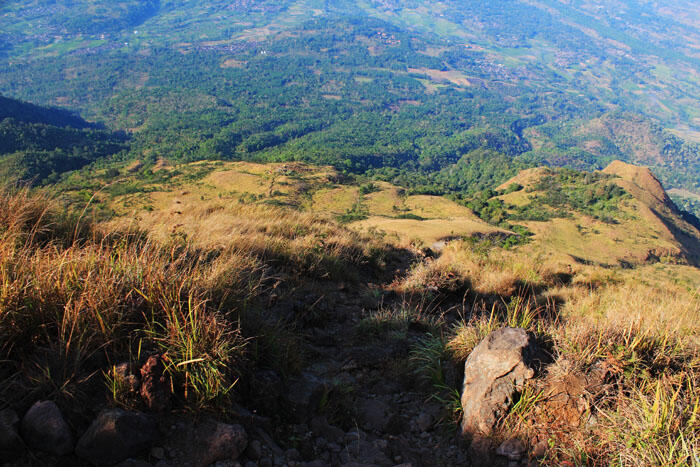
(396, 424)
(254, 450)
(513, 449)
(154, 388)
(266, 391)
(320, 426)
(373, 414)
(11, 445)
(292, 454)
(116, 435)
(480, 452)
(133, 463)
(362, 452)
(304, 395)
(44, 428)
(540, 449)
(124, 373)
(158, 453)
(424, 421)
(494, 371)
(215, 441)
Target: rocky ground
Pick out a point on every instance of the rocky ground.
(358, 401)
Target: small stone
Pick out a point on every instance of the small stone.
(315, 463)
(424, 421)
(123, 372)
(154, 388)
(116, 435)
(292, 455)
(333, 447)
(513, 449)
(373, 413)
(254, 450)
(320, 426)
(11, 445)
(540, 449)
(216, 441)
(158, 452)
(480, 451)
(45, 429)
(133, 463)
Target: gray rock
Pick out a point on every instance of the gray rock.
(254, 450)
(158, 453)
(424, 421)
(362, 452)
(513, 449)
(480, 452)
(494, 371)
(11, 445)
(214, 441)
(44, 428)
(133, 463)
(292, 454)
(316, 463)
(116, 435)
(373, 414)
(320, 426)
(305, 394)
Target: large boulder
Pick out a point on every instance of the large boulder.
(116, 435)
(44, 428)
(495, 370)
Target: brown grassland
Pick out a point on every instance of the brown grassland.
(193, 276)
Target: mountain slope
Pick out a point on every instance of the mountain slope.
(37, 144)
(634, 226)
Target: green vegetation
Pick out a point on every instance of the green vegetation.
(418, 104)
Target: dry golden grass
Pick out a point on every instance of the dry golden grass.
(425, 232)
(77, 298)
(640, 325)
(485, 270)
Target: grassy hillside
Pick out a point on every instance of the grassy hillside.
(234, 270)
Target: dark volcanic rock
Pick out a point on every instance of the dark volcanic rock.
(11, 445)
(45, 429)
(214, 441)
(116, 435)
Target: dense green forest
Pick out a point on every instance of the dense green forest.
(38, 144)
(441, 100)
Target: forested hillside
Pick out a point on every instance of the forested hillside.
(404, 91)
(38, 144)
